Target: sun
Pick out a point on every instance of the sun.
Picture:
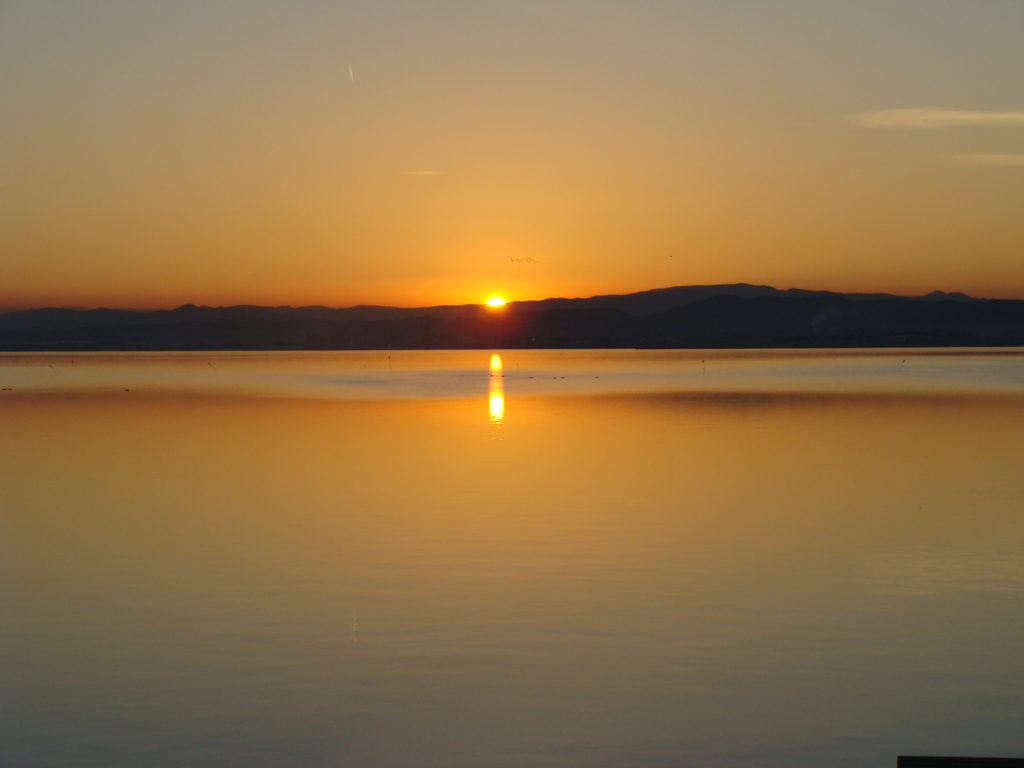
(496, 301)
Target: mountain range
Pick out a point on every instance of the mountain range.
(696, 316)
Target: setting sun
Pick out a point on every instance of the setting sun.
(495, 301)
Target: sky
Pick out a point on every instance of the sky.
(417, 153)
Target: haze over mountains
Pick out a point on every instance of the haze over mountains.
(738, 315)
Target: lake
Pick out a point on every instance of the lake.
(511, 558)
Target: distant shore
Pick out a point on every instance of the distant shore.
(685, 317)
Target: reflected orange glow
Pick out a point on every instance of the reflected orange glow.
(496, 405)
(496, 391)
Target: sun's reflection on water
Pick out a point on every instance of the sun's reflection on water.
(496, 391)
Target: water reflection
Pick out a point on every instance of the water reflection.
(496, 391)
(759, 580)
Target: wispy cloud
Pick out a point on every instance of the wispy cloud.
(938, 117)
(1011, 160)
(424, 173)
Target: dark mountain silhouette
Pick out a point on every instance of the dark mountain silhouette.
(737, 315)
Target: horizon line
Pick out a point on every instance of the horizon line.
(74, 308)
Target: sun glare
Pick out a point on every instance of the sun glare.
(495, 301)
(496, 391)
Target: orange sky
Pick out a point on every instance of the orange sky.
(412, 154)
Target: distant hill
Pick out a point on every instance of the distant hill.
(665, 299)
(695, 316)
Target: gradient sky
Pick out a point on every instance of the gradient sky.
(410, 153)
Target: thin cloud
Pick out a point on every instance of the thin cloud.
(424, 173)
(938, 117)
(1004, 160)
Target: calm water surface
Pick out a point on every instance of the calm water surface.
(566, 558)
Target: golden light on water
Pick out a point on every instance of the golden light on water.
(497, 407)
(496, 391)
(495, 302)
